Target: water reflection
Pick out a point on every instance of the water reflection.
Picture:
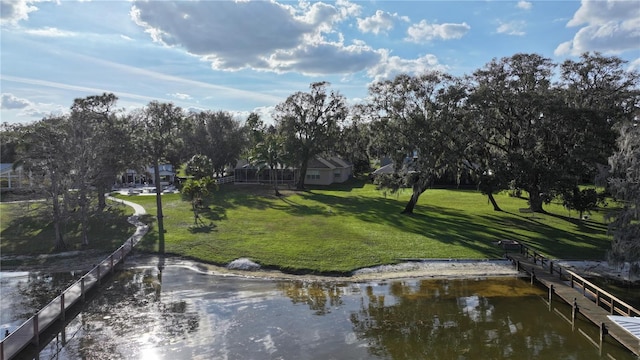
(180, 313)
(24, 293)
(470, 319)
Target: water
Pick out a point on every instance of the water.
(182, 313)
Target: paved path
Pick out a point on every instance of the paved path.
(137, 209)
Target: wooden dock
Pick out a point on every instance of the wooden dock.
(29, 332)
(585, 298)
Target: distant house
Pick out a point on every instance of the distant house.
(320, 171)
(326, 171)
(11, 178)
(134, 178)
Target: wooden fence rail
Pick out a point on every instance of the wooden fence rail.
(591, 291)
(29, 332)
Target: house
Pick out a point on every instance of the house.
(320, 171)
(329, 170)
(134, 178)
(11, 178)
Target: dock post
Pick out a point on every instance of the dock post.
(36, 331)
(82, 288)
(517, 265)
(603, 332)
(574, 312)
(551, 267)
(533, 275)
(62, 312)
(550, 295)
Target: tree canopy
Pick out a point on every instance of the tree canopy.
(308, 122)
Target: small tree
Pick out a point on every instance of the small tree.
(196, 190)
(582, 201)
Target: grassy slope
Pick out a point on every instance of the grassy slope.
(353, 226)
(23, 231)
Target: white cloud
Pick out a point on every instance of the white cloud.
(13, 11)
(381, 22)
(262, 35)
(50, 32)
(324, 58)
(27, 108)
(634, 65)
(512, 28)
(524, 5)
(391, 66)
(9, 101)
(424, 32)
(180, 96)
(607, 26)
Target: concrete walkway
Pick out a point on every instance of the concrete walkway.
(137, 209)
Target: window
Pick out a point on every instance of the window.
(313, 175)
(337, 174)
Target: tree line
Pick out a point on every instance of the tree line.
(519, 123)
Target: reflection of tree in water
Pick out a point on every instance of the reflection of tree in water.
(441, 320)
(320, 297)
(129, 302)
(40, 289)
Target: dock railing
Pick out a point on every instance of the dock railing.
(589, 290)
(29, 332)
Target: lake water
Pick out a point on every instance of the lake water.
(184, 313)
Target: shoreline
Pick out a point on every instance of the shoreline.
(81, 261)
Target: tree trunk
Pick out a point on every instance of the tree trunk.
(303, 174)
(59, 245)
(493, 202)
(102, 199)
(274, 181)
(194, 207)
(83, 201)
(156, 180)
(418, 189)
(535, 201)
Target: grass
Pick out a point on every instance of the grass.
(24, 230)
(327, 230)
(341, 228)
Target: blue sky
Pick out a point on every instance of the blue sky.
(243, 56)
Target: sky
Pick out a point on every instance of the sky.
(249, 56)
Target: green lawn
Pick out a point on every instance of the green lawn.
(24, 230)
(339, 229)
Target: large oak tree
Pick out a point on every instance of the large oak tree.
(309, 122)
(416, 125)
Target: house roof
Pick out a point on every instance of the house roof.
(333, 162)
(317, 162)
(387, 169)
(7, 168)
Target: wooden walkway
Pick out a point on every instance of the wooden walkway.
(585, 298)
(29, 332)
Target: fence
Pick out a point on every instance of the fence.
(226, 179)
(30, 330)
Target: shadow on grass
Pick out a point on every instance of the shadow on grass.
(554, 241)
(477, 232)
(448, 226)
(30, 231)
(202, 228)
